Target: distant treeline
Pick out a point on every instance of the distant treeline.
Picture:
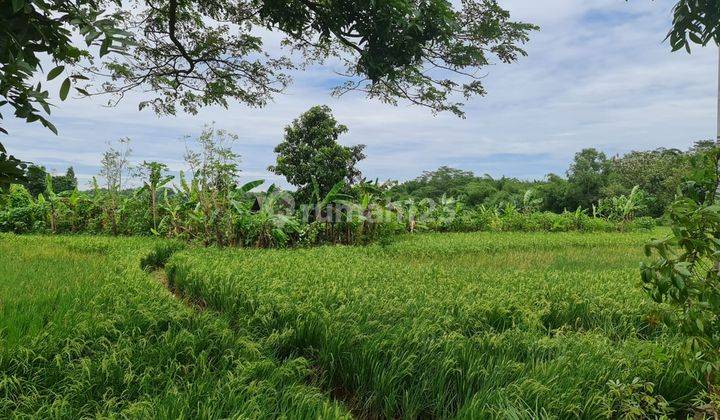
(331, 201)
(592, 180)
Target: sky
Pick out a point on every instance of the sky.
(598, 74)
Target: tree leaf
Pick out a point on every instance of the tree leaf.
(105, 46)
(683, 269)
(65, 89)
(55, 72)
(251, 185)
(48, 125)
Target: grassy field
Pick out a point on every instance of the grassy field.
(85, 333)
(483, 325)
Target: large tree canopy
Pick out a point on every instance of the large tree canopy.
(191, 53)
(185, 54)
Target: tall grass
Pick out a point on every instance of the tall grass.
(481, 325)
(469, 325)
(86, 333)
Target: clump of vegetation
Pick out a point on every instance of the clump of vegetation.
(160, 254)
(686, 270)
(636, 400)
(649, 178)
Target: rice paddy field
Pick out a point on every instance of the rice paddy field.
(478, 325)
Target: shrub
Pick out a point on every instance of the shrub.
(636, 400)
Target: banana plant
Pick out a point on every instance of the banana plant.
(155, 179)
(335, 194)
(73, 201)
(173, 210)
(52, 202)
(531, 201)
(239, 197)
(622, 208)
(271, 227)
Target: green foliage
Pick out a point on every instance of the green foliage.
(622, 207)
(587, 176)
(636, 400)
(332, 206)
(310, 155)
(482, 325)
(35, 179)
(198, 53)
(464, 185)
(12, 170)
(67, 182)
(509, 219)
(591, 178)
(694, 21)
(32, 29)
(658, 173)
(85, 333)
(154, 178)
(160, 254)
(685, 270)
(531, 201)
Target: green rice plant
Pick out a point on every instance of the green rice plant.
(160, 254)
(482, 325)
(88, 334)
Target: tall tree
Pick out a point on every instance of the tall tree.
(66, 182)
(192, 53)
(310, 154)
(35, 180)
(587, 175)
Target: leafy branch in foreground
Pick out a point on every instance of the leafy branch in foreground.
(694, 21)
(12, 170)
(33, 30)
(186, 54)
(685, 271)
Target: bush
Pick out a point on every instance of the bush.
(509, 219)
(27, 219)
(636, 400)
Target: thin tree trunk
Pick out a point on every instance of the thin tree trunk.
(154, 207)
(52, 218)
